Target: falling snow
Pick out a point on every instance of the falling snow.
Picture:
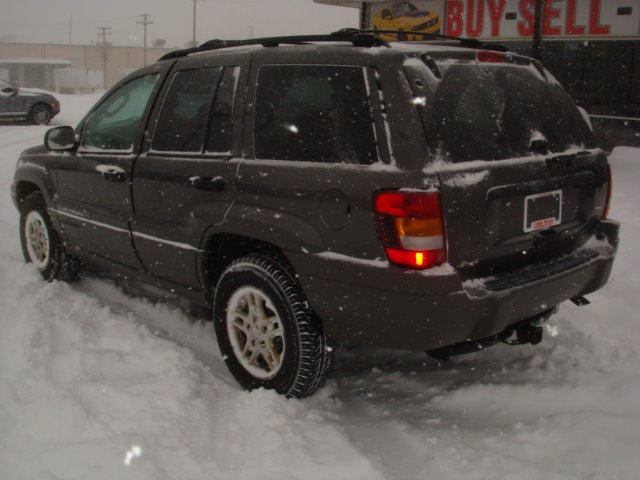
(97, 384)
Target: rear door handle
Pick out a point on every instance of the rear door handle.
(213, 184)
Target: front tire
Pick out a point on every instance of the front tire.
(268, 335)
(41, 244)
(41, 114)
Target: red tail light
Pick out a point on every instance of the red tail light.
(411, 228)
(486, 56)
(607, 204)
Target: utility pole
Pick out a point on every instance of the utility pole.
(145, 22)
(70, 18)
(104, 31)
(193, 42)
(364, 15)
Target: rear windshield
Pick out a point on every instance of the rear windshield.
(494, 112)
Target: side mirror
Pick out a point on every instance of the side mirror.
(8, 90)
(60, 139)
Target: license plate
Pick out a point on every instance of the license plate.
(542, 210)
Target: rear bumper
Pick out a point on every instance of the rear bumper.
(379, 305)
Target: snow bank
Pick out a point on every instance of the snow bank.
(92, 379)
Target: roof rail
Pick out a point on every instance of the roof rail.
(356, 37)
(464, 42)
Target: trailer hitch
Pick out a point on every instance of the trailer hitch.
(527, 331)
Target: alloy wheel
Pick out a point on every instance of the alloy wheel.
(37, 237)
(41, 115)
(255, 332)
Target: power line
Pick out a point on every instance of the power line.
(145, 22)
(65, 23)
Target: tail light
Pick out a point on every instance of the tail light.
(411, 228)
(607, 204)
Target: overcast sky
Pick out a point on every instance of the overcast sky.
(47, 21)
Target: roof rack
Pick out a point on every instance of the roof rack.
(464, 42)
(358, 38)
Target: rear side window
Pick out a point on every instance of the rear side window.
(495, 112)
(197, 111)
(314, 113)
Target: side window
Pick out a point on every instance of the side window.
(114, 124)
(5, 89)
(182, 122)
(222, 112)
(314, 113)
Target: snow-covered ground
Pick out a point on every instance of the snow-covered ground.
(96, 384)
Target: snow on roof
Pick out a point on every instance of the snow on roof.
(39, 61)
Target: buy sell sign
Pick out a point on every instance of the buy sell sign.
(510, 19)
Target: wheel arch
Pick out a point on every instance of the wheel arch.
(27, 183)
(38, 103)
(30, 177)
(24, 188)
(220, 249)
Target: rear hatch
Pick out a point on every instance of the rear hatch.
(520, 179)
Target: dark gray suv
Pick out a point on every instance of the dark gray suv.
(326, 190)
(25, 104)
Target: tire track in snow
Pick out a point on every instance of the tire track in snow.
(164, 320)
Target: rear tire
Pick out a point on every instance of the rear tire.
(41, 114)
(268, 335)
(41, 244)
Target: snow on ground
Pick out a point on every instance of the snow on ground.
(96, 384)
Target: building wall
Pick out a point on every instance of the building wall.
(119, 59)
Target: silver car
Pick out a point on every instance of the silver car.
(25, 104)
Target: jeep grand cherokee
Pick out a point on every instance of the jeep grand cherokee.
(439, 196)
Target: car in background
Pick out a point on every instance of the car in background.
(23, 104)
(406, 17)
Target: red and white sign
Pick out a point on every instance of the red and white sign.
(563, 19)
(514, 19)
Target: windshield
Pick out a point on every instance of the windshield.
(494, 112)
(402, 9)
